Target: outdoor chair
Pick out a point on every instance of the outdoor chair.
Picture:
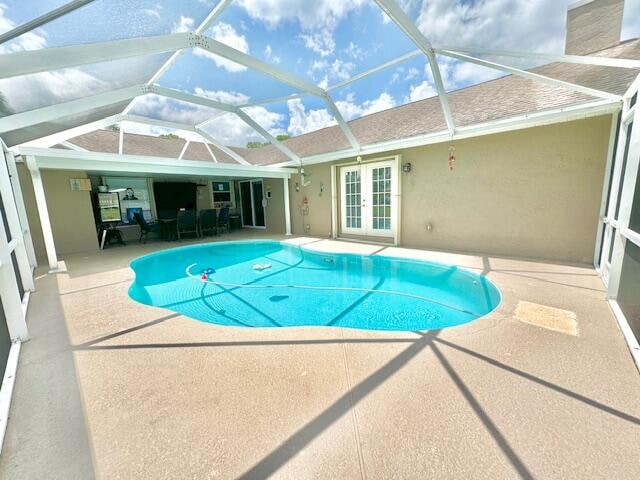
(186, 223)
(223, 219)
(145, 228)
(208, 221)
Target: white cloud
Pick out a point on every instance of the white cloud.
(32, 40)
(225, 33)
(350, 110)
(301, 121)
(185, 24)
(152, 12)
(508, 24)
(421, 91)
(230, 130)
(28, 92)
(268, 54)
(312, 16)
(631, 20)
(321, 42)
(224, 96)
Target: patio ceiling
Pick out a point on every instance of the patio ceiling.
(58, 121)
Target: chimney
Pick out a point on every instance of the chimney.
(593, 25)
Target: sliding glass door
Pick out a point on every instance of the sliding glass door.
(252, 203)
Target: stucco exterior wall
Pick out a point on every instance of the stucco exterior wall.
(530, 193)
(274, 211)
(70, 212)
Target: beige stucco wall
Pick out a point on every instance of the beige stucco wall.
(529, 193)
(274, 211)
(70, 212)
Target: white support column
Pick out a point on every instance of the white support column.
(287, 210)
(334, 202)
(22, 211)
(11, 301)
(121, 138)
(43, 213)
(15, 229)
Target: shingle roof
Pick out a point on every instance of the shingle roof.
(502, 98)
(136, 144)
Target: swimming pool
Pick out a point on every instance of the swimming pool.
(273, 284)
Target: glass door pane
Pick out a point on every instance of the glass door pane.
(380, 199)
(629, 289)
(352, 221)
(245, 200)
(258, 209)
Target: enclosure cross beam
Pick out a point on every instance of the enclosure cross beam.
(276, 143)
(534, 76)
(409, 28)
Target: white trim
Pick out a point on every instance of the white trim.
(287, 209)
(6, 388)
(395, 13)
(533, 76)
(51, 158)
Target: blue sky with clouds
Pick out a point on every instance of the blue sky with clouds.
(323, 42)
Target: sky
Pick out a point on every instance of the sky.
(323, 42)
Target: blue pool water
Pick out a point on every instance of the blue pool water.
(303, 287)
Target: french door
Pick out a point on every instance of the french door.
(252, 204)
(368, 199)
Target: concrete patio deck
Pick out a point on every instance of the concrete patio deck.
(110, 388)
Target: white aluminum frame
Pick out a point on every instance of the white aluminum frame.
(618, 230)
(62, 57)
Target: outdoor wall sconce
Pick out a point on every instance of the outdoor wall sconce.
(406, 167)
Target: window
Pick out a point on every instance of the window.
(134, 196)
(223, 194)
